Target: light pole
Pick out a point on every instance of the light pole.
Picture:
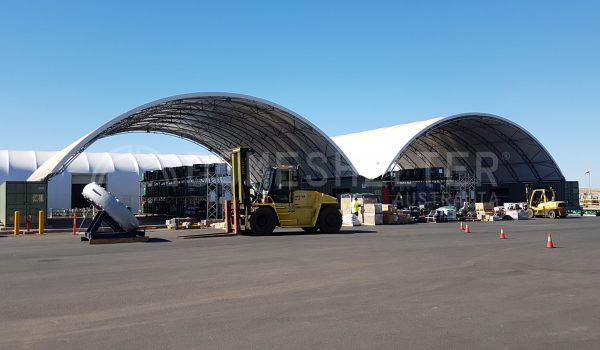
(589, 174)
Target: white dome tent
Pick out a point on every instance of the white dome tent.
(521, 157)
(119, 172)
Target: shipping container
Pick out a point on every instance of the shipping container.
(28, 198)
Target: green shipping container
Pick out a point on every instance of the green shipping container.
(28, 198)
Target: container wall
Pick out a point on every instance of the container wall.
(28, 198)
(3, 202)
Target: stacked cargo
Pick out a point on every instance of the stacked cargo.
(347, 200)
(516, 211)
(485, 211)
(393, 216)
(366, 202)
(372, 214)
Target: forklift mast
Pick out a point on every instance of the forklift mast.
(240, 180)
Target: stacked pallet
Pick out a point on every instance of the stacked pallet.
(485, 211)
(393, 216)
(370, 211)
(372, 215)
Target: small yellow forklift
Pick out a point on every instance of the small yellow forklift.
(278, 201)
(543, 203)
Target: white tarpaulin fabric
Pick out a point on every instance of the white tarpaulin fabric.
(519, 156)
(119, 171)
(373, 151)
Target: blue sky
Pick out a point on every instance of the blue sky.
(68, 66)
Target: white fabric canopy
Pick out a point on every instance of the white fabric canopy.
(19, 165)
(520, 156)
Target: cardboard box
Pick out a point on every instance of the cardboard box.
(368, 200)
(373, 219)
(347, 202)
(346, 205)
(389, 218)
(388, 208)
(486, 207)
(373, 209)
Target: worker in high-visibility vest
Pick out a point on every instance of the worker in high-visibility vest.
(355, 207)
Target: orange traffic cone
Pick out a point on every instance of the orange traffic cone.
(467, 229)
(549, 244)
(502, 235)
(462, 226)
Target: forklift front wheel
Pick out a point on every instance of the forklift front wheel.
(263, 221)
(330, 220)
(552, 214)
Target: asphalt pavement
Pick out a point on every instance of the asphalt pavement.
(425, 286)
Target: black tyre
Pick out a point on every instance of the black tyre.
(552, 214)
(263, 221)
(330, 220)
(530, 213)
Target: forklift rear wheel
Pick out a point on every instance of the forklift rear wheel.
(330, 220)
(552, 214)
(263, 221)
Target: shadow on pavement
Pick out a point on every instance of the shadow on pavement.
(304, 233)
(157, 240)
(207, 235)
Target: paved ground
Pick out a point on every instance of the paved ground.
(425, 286)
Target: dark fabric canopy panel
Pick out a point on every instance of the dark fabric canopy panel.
(519, 156)
(221, 122)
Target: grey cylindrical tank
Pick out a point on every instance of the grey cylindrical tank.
(104, 200)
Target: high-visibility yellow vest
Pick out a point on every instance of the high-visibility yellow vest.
(356, 207)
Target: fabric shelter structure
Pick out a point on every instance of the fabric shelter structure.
(221, 122)
(510, 151)
(120, 173)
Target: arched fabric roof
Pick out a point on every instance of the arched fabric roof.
(19, 165)
(221, 122)
(520, 156)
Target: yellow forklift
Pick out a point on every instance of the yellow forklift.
(543, 203)
(278, 200)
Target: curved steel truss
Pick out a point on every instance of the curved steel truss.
(516, 156)
(221, 122)
(471, 141)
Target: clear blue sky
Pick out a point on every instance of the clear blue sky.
(68, 66)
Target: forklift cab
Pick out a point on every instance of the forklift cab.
(278, 184)
(542, 196)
